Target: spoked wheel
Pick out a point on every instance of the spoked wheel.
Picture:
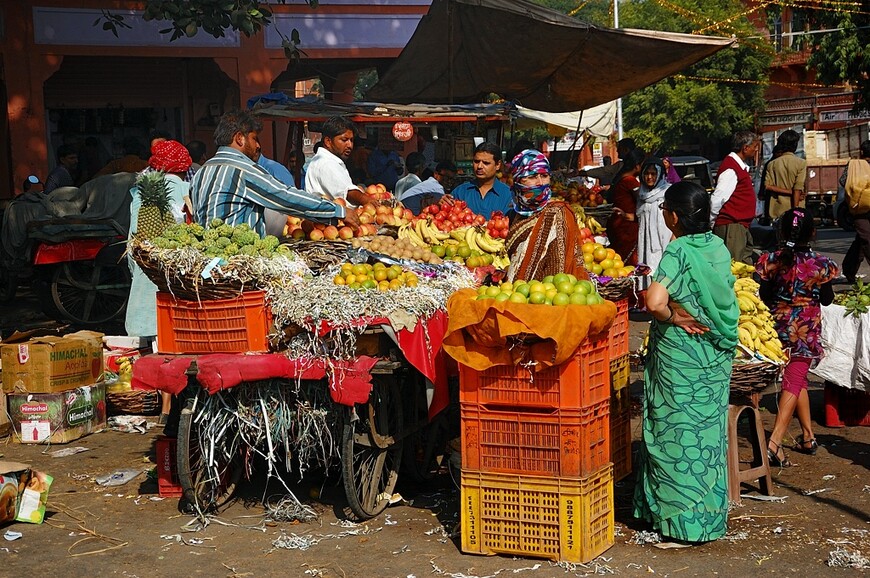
(209, 470)
(372, 450)
(90, 294)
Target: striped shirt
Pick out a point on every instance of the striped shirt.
(231, 187)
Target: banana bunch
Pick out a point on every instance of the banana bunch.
(593, 225)
(479, 239)
(755, 327)
(742, 270)
(411, 233)
(125, 376)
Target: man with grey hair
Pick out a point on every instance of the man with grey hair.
(232, 187)
(732, 206)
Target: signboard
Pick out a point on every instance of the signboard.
(597, 152)
(786, 119)
(842, 116)
(403, 131)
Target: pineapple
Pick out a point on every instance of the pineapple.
(155, 213)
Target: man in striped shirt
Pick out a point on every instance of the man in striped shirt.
(230, 186)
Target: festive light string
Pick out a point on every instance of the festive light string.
(719, 24)
(758, 82)
(579, 8)
(809, 5)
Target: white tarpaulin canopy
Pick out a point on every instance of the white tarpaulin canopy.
(597, 121)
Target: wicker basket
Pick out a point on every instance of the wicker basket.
(617, 289)
(190, 285)
(748, 378)
(600, 212)
(136, 402)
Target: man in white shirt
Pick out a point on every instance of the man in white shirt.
(415, 163)
(327, 175)
(732, 206)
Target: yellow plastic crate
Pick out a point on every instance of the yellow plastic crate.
(620, 372)
(564, 519)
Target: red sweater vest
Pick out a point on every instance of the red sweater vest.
(740, 208)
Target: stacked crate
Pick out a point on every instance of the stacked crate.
(620, 404)
(536, 472)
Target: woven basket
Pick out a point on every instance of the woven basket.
(752, 377)
(136, 402)
(617, 289)
(600, 212)
(190, 285)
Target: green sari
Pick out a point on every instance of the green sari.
(682, 485)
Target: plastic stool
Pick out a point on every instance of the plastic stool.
(759, 469)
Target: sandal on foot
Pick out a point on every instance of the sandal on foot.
(774, 459)
(808, 447)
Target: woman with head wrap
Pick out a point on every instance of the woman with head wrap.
(653, 234)
(671, 174)
(544, 238)
(171, 158)
(622, 228)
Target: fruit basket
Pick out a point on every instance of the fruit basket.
(133, 402)
(748, 378)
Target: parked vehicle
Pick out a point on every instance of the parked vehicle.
(695, 169)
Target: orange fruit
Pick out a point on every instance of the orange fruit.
(338, 280)
(380, 274)
(588, 247)
(600, 254)
(350, 279)
(611, 253)
(606, 263)
(359, 269)
(395, 284)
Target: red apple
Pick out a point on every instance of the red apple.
(297, 233)
(316, 235)
(330, 232)
(345, 233)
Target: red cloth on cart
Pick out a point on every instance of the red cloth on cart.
(349, 380)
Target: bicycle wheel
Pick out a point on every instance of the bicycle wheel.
(372, 450)
(208, 484)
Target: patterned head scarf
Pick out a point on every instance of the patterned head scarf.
(169, 156)
(528, 200)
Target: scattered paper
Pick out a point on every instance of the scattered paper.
(68, 452)
(118, 478)
(779, 499)
(671, 545)
(130, 424)
(829, 477)
(11, 535)
(812, 492)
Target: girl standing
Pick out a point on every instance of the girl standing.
(796, 281)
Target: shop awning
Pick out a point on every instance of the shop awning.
(597, 121)
(464, 50)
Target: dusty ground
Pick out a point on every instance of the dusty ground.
(128, 531)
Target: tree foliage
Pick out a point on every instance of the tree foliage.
(843, 55)
(678, 109)
(215, 17)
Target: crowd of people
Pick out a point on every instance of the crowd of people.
(685, 234)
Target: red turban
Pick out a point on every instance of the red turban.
(169, 156)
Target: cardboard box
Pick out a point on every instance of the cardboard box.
(58, 418)
(52, 364)
(23, 493)
(5, 422)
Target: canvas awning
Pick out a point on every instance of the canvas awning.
(464, 50)
(597, 121)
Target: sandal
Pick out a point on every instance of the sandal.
(773, 456)
(808, 447)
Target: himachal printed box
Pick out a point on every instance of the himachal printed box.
(52, 364)
(58, 418)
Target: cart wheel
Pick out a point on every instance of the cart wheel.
(205, 487)
(372, 450)
(90, 294)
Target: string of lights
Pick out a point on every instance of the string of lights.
(797, 85)
(718, 25)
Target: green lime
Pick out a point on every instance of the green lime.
(537, 297)
(518, 298)
(502, 297)
(560, 299)
(578, 299)
(522, 288)
(547, 279)
(481, 290)
(565, 287)
(560, 278)
(572, 278)
(492, 290)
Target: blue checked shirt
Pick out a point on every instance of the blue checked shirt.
(231, 187)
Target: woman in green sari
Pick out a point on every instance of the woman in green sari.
(682, 486)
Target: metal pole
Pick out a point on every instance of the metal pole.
(618, 100)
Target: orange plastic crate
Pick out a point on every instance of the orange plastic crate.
(563, 442)
(167, 470)
(619, 330)
(581, 381)
(218, 326)
(620, 372)
(562, 519)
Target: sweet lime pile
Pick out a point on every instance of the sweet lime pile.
(377, 276)
(560, 290)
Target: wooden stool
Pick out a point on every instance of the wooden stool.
(759, 469)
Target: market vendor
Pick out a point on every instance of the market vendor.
(544, 238)
(431, 190)
(485, 194)
(232, 187)
(327, 175)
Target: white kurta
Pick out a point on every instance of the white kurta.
(653, 235)
(141, 317)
